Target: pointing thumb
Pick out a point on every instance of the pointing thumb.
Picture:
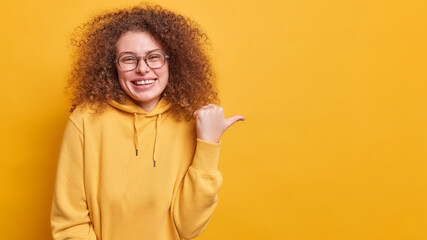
(231, 120)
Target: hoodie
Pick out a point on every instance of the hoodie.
(129, 174)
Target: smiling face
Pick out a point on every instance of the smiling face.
(143, 84)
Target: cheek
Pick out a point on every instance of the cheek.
(124, 81)
(165, 70)
(163, 74)
(123, 77)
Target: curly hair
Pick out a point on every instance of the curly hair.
(94, 78)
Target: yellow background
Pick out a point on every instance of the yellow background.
(335, 93)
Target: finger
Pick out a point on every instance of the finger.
(206, 107)
(231, 120)
(209, 106)
(196, 113)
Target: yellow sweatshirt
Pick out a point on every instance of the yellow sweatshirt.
(127, 174)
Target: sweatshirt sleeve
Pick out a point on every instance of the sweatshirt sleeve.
(196, 198)
(69, 212)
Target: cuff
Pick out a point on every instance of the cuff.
(206, 156)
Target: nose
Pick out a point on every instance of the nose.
(142, 67)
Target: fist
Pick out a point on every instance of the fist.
(211, 124)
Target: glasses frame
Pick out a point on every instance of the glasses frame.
(138, 59)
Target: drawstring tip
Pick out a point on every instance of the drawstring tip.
(136, 152)
(154, 163)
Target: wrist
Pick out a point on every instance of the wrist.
(209, 139)
(206, 156)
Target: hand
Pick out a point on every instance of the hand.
(211, 124)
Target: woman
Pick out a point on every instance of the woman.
(139, 155)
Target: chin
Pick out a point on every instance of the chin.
(145, 99)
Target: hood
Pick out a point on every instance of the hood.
(131, 107)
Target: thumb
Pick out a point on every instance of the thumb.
(231, 120)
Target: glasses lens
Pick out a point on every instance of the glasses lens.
(128, 62)
(155, 60)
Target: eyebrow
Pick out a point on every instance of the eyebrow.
(146, 53)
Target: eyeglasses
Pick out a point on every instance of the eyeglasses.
(129, 61)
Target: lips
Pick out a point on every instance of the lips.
(142, 82)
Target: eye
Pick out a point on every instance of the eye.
(128, 59)
(154, 57)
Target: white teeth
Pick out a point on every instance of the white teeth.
(144, 82)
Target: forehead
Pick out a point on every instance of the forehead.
(137, 42)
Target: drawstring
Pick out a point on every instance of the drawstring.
(136, 137)
(156, 137)
(159, 116)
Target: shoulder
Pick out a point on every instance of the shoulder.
(86, 116)
(80, 115)
(181, 121)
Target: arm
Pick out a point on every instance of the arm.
(196, 199)
(197, 196)
(69, 213)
